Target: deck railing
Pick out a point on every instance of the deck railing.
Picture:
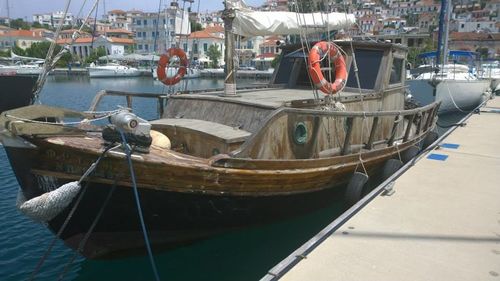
(129, 96)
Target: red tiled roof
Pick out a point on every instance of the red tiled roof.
(23, 33)
(474, 36)
(266, 55)
(116, 12)
(203, 34)
(125, 41)
(214, 29)
(77, 41)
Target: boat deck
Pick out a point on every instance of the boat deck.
(442, 223)
(265, 97)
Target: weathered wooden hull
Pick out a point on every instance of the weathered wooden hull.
(174, 215)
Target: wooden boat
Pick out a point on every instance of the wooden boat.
(262, 155)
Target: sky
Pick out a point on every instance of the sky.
(26, 8)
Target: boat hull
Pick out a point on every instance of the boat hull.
(171, 72)
(172, 218)
(16, 91)
(108, 73)
(454, 95)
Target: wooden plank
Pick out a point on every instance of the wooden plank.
(347, 141)
(390, 142)
(373, 131)
(409, 125)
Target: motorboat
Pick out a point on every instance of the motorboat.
(454, 85)
(113, 70)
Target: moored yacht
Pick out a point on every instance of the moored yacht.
(113, 70)
(454, 85)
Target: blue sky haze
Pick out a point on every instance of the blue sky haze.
(26, 8)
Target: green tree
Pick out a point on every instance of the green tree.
(40, 50)
(275, 61)
(96, 54)
(19, 24)
(196, 26)
(38, 25)
(413, 52)
(5, 53)
(214, 54)
(18, 51)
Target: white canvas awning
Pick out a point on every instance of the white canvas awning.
(252, 23)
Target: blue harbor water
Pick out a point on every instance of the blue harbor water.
(241, 255)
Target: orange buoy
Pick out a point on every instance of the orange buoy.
(316, 55)
(163, 64)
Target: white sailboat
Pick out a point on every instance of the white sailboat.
(22, 65)
(454, 85)
(113, 70)
(491, 71)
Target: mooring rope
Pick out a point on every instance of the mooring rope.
(128, 152)
(70, 214)
(84, 240)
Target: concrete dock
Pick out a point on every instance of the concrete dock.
(442, 222)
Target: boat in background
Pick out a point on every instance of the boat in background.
(21, 65)
(454, 85)
(172, 71)
(491, 71)
(113, 70)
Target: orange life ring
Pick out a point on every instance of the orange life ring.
(163, 64)
(316, 55)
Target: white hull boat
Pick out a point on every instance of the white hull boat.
(191, 73)
(113, 71)
(23, 69)
(454, 95)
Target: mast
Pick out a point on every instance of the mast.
(228, 16)
(446, 32)
(441, 30)
(8, 11)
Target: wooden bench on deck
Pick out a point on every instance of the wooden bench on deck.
(199, 137)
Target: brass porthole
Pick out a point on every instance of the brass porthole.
(300, 133)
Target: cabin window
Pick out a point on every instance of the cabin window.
(396, 71)
(368, 62)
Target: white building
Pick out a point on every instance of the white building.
(199, 42)
(83, 47)
(473, 26)
(54, 19)
(157, 32)
(122, 19)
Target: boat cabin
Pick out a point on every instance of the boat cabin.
(289, 119)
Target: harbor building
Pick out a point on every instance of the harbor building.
(20, 38)
(53, 19)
